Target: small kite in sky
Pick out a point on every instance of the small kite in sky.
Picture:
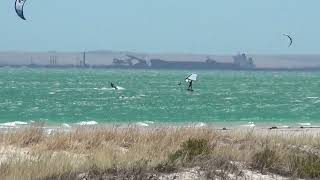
(290, 38)
(19, 8)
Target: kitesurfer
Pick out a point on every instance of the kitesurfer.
(114, 86)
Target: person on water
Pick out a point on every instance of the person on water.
(190, 86)
(113, 86)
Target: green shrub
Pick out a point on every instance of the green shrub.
(190, 149)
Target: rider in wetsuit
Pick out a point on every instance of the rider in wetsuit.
(113, 86)
(190, 86)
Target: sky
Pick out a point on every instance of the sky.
(163, 26)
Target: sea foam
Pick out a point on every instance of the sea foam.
(142, 124)
(87, 123)
(13, 124)
(250, 124)
(305, 124)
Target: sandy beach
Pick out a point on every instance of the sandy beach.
(159, 152)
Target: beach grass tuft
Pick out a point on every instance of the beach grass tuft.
(265, 159)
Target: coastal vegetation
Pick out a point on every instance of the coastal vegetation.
(104, 152)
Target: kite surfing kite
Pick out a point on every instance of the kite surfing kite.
(19, 8)
(290, 38)
(190, 79)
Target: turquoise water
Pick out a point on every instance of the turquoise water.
(235, 97)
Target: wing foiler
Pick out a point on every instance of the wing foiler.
(190, 79)
(19, 8)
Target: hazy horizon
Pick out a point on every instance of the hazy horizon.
(156, 53)
(206, 27)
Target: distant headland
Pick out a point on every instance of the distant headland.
(130, 60)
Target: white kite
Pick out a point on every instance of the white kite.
(191, 77)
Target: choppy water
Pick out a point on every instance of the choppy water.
(75, 95)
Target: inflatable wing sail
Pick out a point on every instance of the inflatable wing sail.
(19, 8)
(290, 38)
(192, 77)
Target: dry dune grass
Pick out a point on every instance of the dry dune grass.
(138, 153)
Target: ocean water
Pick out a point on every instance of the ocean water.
(153, 96)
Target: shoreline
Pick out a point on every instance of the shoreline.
(51, 127)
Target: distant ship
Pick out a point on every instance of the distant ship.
(240, 61)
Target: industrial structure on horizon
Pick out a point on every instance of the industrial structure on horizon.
(240, 61)
(121, 60)
(131, 60)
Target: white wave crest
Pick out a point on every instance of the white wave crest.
(312, 97)
(142, 124)
(149, 122)
(305, 124)
(14, 124)
(250, 124)
(87, 123)
(120, 88)
(200, 124)
(66, 125)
